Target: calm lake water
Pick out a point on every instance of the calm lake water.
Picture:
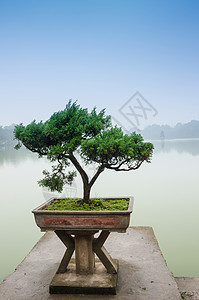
(166, 197)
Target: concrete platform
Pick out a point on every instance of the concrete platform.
(189, 287)
(143, 273)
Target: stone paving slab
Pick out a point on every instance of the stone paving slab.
(189, 287)
(143, 273)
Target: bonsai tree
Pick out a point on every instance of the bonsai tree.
(92, 136)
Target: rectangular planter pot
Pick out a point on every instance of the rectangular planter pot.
(83, 220)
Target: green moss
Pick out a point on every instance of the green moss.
(95, 204)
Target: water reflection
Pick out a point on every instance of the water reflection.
(190, 146)
(9, 155)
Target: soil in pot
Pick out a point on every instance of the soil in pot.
(95, 204)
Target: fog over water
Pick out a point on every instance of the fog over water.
(166, 198)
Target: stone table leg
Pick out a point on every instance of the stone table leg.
(85, 245)
(68, 241)
(103, 254)
(84, 255)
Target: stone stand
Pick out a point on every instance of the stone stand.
(84, 275)
(100, 282)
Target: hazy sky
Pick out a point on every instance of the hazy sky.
(101, 53)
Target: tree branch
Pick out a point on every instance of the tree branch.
(129, 169)
(99, 171)
(40, 152)
(79, 168)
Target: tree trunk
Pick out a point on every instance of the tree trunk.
(86, 184)
(87, 189)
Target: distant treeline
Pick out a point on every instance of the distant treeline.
(6, 135)
(180, 131)
(155, 132)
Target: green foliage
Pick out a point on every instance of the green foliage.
(112, 148)
(56, 180)
(63, 132)
(94, 204)
(92, 135)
